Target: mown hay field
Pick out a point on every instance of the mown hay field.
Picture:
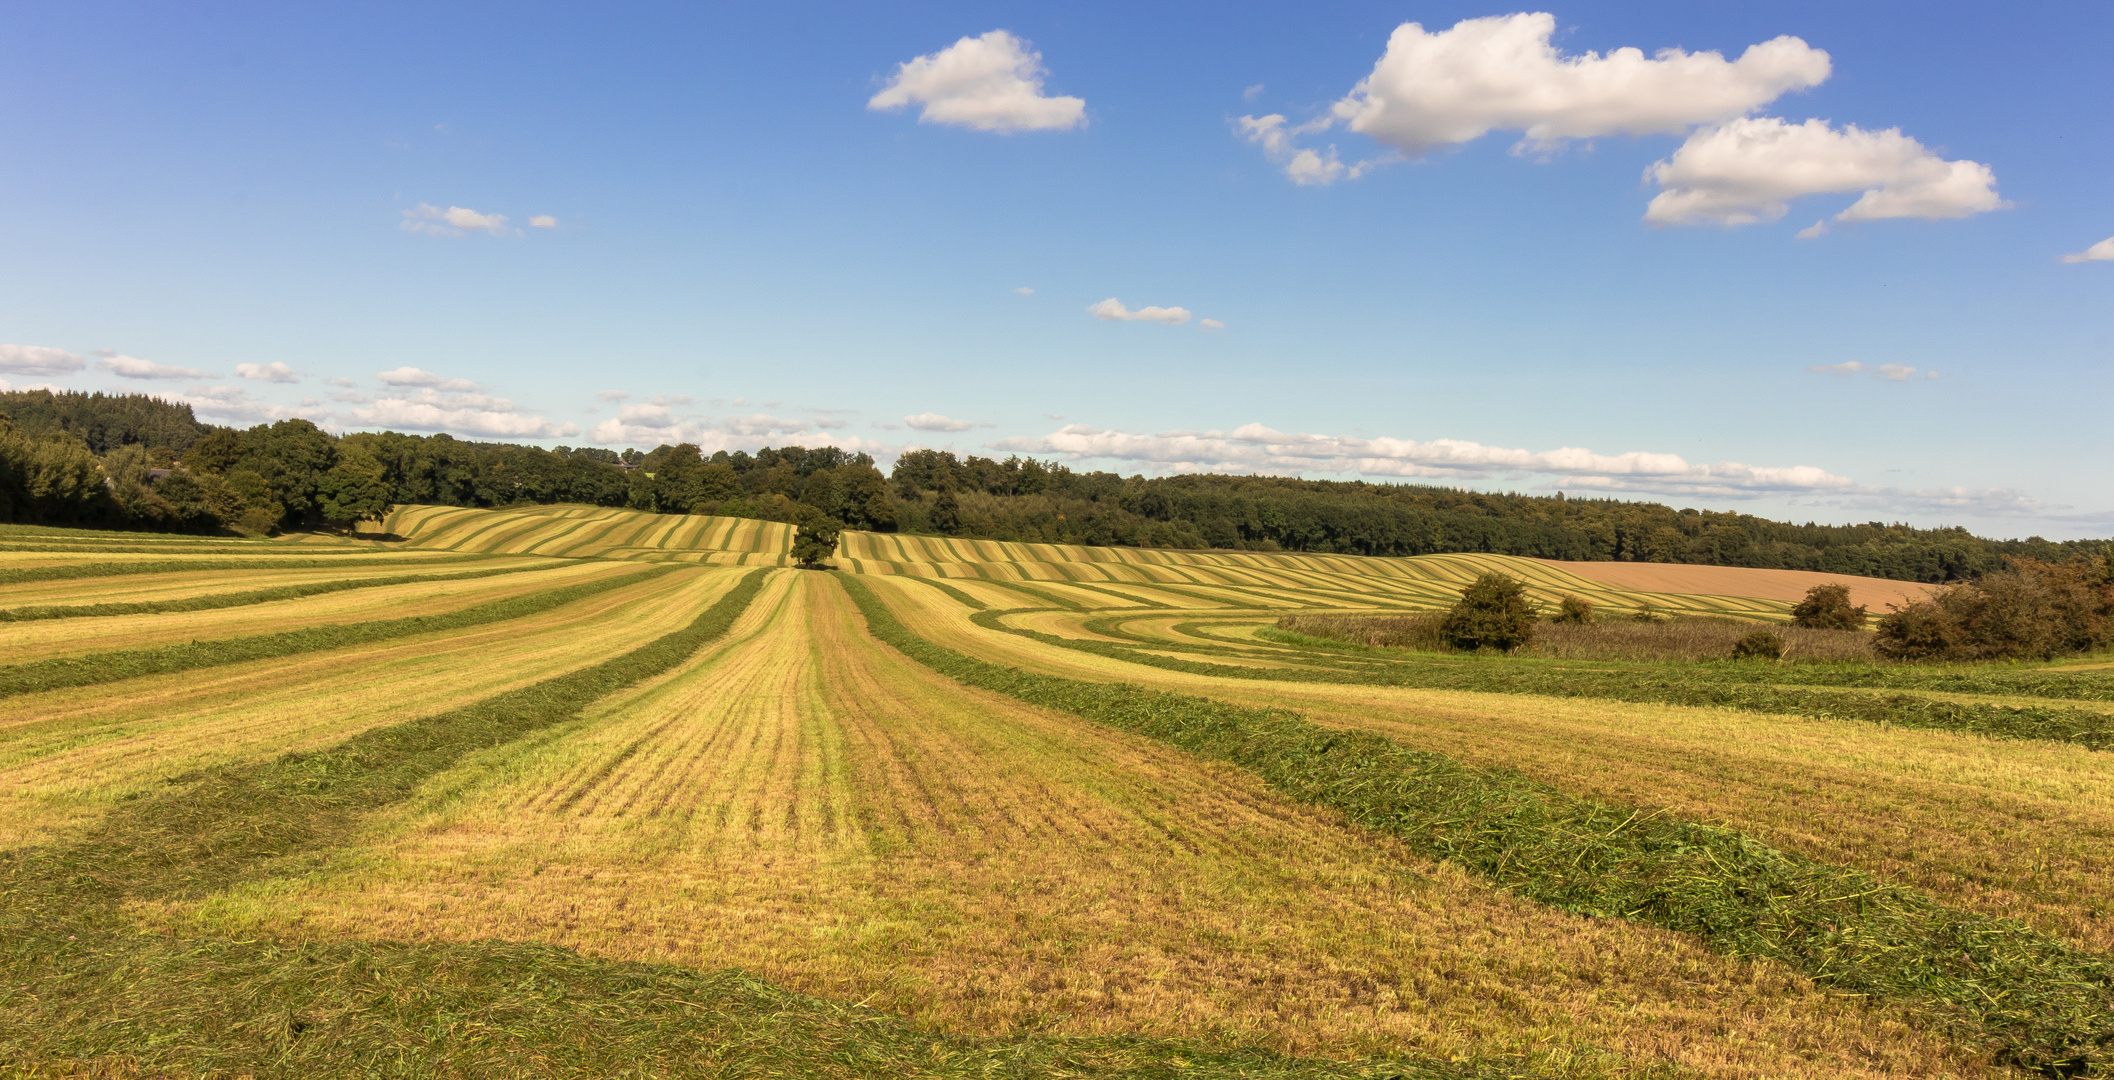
(590, 532)
(737, 766)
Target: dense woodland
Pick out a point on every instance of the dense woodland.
(92, 459)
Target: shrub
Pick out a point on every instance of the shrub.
(1827, 607)
(1758, 645)
(1494, 613)
(2031, 610)
(1648, 614)
(1576, 610)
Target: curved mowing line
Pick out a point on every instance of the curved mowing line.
(255, 596)
(23, 575)
(1709, 688)
(2045, 1005)
(95, 668)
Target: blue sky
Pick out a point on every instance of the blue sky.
(273, 210)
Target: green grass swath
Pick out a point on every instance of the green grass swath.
(2047, 1005)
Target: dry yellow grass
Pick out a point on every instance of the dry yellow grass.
(1260, 579)
(68, 754)
(41, 639)
(2012, 828)
(598, 532)
(807, 804)
(1789, 586)
(182, 584)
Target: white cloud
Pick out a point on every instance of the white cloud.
(1503, 73)
(234, 403)
(347, 383)
(411, 376)
(132, 367)
(490, 417)
(1304, 166)
(541, 221)
(989, 83)
(53, 387)
(1211, 324)
(1113, 310)
(38, 360)
(612, 395)
(1255, 448)
(273, 372)
(928, 421)
(1253, 92)
(2100, 252)
(1747, 170)
(1025, 291)
(1888, 372)
(351, 396)
(454, 221)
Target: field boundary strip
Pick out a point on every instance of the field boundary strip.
(2045, 1005)
(92, 988)
(255, 596)
(96, 668)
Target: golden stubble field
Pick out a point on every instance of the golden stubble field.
(807, 804)
(803, 802)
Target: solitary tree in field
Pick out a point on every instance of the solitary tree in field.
(1575, 609)
(1827, 607)
(817, 538)
(1494, 613)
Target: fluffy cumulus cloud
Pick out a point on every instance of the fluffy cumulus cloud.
(988, 83)
(454, 221)
(38, 360)
(411, 376)
(1112, 310)
(1504, 73)
(659, 421)
(1748, 170)
(275, 371)
(1255, 448)
(931, 421)
(2100, 252)
(469, 413)
(132, 367)
(542, 221)
(235, 405)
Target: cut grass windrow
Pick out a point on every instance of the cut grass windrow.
(2046, 1005)
(496, 1009)
(213, 601)
(1710, 686)
(19, 575)
(62, 672)
(81, 989)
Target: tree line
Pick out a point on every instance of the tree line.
(75, 458)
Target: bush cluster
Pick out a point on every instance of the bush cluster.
(1493, 613)
(2031, 610)
(1828, 607)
